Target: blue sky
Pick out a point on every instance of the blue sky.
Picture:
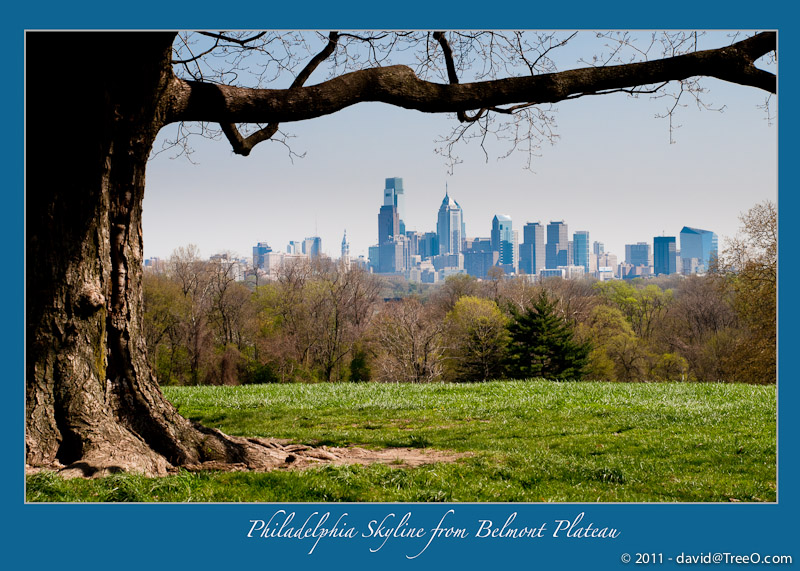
(612, 171)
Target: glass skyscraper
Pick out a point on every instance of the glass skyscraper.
(450, 226)
(664, 255)
(312, 247)
(503, 239)
(699, 245)
(531, 251)
(580, 249)
(394, 195)
(638, 254)
(556, 251)
(258, 254)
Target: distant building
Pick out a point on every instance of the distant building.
(232, 267)
(312, 247)
(503, 241)
(598, 248)
(532, 249)
(477, 263)
(374, 258)
(557, 247)
(450, 226)
(388, 223)
(607, 263)
(294, 247)
(428, 246)
(700, 246)
(394, 195)
(580, 250)
(345, 259)
(664, 255)
(629, 271)
(638, 254)
(155, 265)
(546, 273)
(258, 254)
(391, 258)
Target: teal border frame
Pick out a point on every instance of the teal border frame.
(211, 536)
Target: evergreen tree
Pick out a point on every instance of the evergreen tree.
(543, 344)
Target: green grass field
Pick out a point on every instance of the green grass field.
(529, 441)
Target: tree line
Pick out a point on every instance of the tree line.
(319, 321)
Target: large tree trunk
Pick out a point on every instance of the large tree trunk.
(94, 103)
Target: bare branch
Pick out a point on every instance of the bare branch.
(398, 85)
(233, 40)
(243, 146)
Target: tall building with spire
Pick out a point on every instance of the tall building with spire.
(450, 225)
(345, 259)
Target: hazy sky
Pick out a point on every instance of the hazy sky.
(612, 172)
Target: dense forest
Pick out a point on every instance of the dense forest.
(319, 321)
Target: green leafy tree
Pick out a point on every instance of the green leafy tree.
(542, 344)
(476, 336)
(643, 305)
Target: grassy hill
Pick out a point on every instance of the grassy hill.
(526, 441)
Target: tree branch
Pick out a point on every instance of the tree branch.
(399, 86)
(453, 76)
(243, 146)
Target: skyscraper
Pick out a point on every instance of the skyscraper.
(388, 223)
(345, 259)
(450, 226)
(638, 254)
(699, 245)
(556, 250)
(394, 195)
(664, 255)
(532, 251)
(503, 239)
(312, 247)
(580, 249)
(258, 254)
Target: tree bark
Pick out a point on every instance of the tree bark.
(93, 406)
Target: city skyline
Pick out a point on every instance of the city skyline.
(613, 172)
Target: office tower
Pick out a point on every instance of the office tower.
(450, 226)
(388, 223)
(374, 258)
(413, 240)
(580, 249)
(294, 247)
(258, 254)
(638, 254)
(700, 246)
(664, 255)
(312, 247)
(503, 240)
(598, 248)
(429, 245)
(394, 195)
(391, 257)
(556, 249)
(532, 250)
